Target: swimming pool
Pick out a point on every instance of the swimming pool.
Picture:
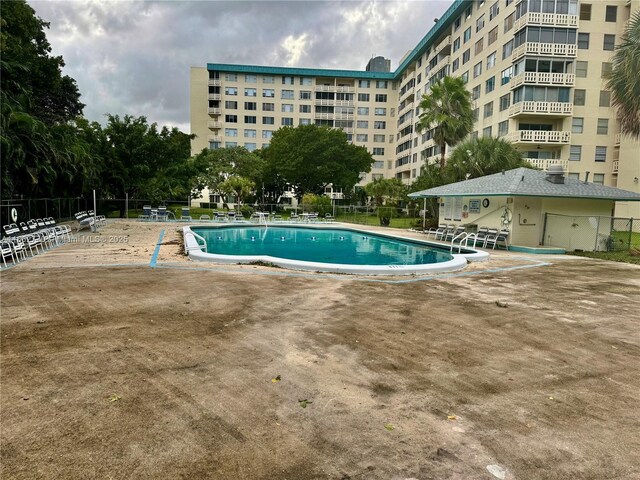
(321, 248)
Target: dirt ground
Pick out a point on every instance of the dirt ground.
(519, 368)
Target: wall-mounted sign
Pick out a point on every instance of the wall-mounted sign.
(474, 206)
(485, 203)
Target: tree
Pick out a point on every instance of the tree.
(447, 110)
(386, 192)
(238, 186)
(624, 82)
(310, 157)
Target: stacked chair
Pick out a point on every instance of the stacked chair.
(32, 238)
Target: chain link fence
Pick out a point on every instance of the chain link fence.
(591, 233)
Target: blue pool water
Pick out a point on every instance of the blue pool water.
(319, 245)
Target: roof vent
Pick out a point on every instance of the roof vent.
(555, 174)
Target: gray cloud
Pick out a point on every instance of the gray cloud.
(134, 57)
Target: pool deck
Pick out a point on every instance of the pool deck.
(128, 360)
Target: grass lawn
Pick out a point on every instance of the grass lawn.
(619, 256)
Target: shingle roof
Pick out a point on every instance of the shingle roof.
(525, 182)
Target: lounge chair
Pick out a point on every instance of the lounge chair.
(204, 217)
(146, 213)
(84, 220)
(185, 214)
(328, 217)
(494, 238)
(7, 251)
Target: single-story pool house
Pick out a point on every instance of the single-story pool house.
(543, 211)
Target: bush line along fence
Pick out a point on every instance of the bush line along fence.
(63, 209)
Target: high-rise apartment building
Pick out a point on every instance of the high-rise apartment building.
(534, 68)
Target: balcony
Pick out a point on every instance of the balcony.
(443, 44)
(408, 94)
(546, 20)
(617, 140)
(214, 96)
(214, 82)
(214, 138)
(333, 88)
(214, 111)
(344, 103)
(554, 137)
(545, 49)
(614, 167)
(544, 78)
(545, 163)
(216, 125)
(342, 116)
(325, 102)
(558, 109)
(323, 116)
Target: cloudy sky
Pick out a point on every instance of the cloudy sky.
(133, 57)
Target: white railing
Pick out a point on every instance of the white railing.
(214, 111)
(617, 139)
(410, 92)
(343, 116)
(545, 163)
(545, 49)
(539, 136)
(214, 96)
(345, 89)
(324, 116)
(325, 88)
(214, 138)
(325, 102)
(614, 166)
(214, 82)
(444, 43)
(345, 103)
(546, 19)
(544, 78)
(214, 125)
(541, 108)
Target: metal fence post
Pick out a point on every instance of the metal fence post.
(630, 233)
(544, 229)
(595, 247)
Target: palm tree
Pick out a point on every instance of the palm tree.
(448, 109)
(624, 80)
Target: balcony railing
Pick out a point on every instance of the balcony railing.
(214, 82)
(545, 49)
(214, 138)
(323, 116)
(333, 88)
(443, 44)
(541, 108)
(214, 111)
(614, 166)
(214, 96)
(214, 124)
(538, 136)
(344, 103)
(325, 102)
(546, 19)
(544, 78)
(545, 163)
(343, 116)
(617, 140)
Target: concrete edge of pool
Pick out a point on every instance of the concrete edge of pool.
(459, 261)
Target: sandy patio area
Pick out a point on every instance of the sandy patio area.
(121, 358)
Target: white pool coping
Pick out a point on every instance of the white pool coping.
(459, 261)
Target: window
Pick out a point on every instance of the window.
(230, 144)
(486, 132)
(601, 154)
(268, 79)
(585, 11)
(381, 97)
(268, 93)
(231, 105)
(231, 132)
(488, 110)
(379, 125)
(505, 101)
(306, 81)
(287, 107)
(508, 23)
(230, 91)
(456, 44)
(605, 98)
(378, 151)
(503, 128)
(575, 153)
(598, 178)
(380, 111)
(579, 97)
(507, 49)
(493, 11)
(455, 65)
(268, 107)
(456, 24)
(363, 97)
(476, 114)
(606, 69)
(362, 137)
(363, 110)
(250, 146)
(493, 36)
(362, 124)
(305, 95)
(268, 121)
(577, 125)
(250, 119)
(287, 122)
(381, 84)
(583, 41)
(574, 176)
(305, 108)
(465, 77)
(250, 79)
(364, 83)
(466, 36)
(231, 118)
(475, 93)
(267, 133)
(490, 85)
(287, 80)
(305, 121)
(250, 106)
(581, 69)
(250, 92)
(287, 95)
(491, 60)
(231, 77)
(505, 76)
(611, 13)
(480, 23)
(468, 12)
(378, 138)
(466, 56)
(248, 133)
(478, 46)
(603, 126)
(477, 69)
(609, 42)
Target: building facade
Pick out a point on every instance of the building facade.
(534, 68)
